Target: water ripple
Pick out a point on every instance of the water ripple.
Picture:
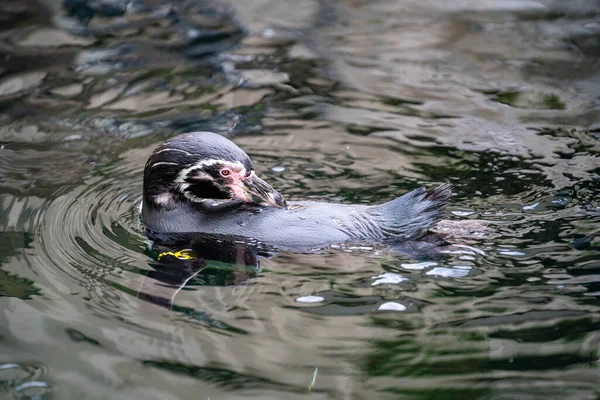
(346, 104)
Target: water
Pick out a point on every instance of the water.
(346, 101)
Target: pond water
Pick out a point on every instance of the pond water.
(345, 101)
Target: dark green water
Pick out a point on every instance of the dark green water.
(342, 101)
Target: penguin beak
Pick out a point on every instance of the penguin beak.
(255, 190)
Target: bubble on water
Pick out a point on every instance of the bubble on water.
(462, 213)
(391, 306)
(310, 299)
(419, 266)
(560, 201)
(474, 249)
(512, 253)
(12, 372)
(459, 271)
(34, 389)
(16, 373)
(193, 33)
(530, 207)
(72, 137)
(388, 278)
(360, 248)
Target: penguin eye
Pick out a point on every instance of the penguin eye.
(225, 172)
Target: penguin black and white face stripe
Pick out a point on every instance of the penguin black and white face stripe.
(195, 168)
(212, 170)
(212, 179)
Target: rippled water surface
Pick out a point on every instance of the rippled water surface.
(339, 101)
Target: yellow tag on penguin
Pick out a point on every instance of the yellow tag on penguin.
(184, 254)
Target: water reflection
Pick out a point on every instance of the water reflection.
(209, 260)
(347, 101)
